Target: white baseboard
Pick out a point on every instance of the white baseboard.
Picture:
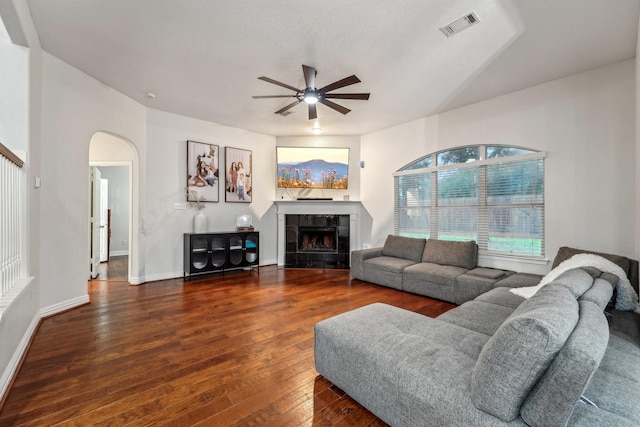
(161, 276)
(119, 253)
(14, 363)
(64, 306)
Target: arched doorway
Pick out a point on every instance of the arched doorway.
(112, 243)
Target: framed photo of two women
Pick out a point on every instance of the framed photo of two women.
(238, 170)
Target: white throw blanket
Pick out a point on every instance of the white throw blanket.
(626, 299)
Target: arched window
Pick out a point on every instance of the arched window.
(491, 194)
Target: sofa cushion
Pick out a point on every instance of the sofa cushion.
(385, 270)
(615, 386)
(599, 293)
(552, 400)
(519, 280)
(477, 316)
(444, 252)
(576, 280)
(520, 351)
(404, 247)
(502, 297)
(404, 367)
(468, 287)
(489, 273)
(433, 280)
(611, 278)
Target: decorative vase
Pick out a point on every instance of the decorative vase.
(200, 223)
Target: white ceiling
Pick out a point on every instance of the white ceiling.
(202, 58)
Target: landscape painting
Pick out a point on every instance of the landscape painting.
(313, 167)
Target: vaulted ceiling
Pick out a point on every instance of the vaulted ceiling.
(203, 58)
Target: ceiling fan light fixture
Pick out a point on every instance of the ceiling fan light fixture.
(310, 96)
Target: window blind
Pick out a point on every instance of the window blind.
(499, 203)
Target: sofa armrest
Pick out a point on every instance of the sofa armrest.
(358, 257)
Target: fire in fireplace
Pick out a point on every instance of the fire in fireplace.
(317, 239)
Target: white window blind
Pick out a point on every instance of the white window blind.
(499, 203)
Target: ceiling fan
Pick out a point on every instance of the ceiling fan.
(311, 95)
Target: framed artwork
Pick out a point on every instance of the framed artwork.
(203, 176)
(238, 166)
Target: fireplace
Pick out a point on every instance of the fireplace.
(344, 215)
(317, 241)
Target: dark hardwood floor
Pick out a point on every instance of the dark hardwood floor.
(232, 350)
(116, 269)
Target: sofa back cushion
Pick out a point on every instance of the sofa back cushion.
(553, 398)
(445, 252)
(521, 350)
(403, 247)
(599, 293)
(578, 281)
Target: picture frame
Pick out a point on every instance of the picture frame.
(238, 173)
(203, 181)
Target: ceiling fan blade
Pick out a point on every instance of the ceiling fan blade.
(313, 113)
(285, 108)
(275, 82)
(309, 76)
(341, 83)
(361, 96)
(272, 96)
(338, 108)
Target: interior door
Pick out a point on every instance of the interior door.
(104, 220)
(94, 221)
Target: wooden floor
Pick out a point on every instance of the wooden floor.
(217, 351)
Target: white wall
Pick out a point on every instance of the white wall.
(14, 134)
(637, 158)
(74, 107)
(14, 87)
(20, 74)
(584, 122)
(166, 182)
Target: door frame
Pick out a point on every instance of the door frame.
(129, 165)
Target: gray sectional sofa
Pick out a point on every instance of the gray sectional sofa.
(499, 359)
(435, 268)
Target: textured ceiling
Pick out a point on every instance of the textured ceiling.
(202, 58)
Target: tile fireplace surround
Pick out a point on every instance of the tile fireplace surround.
(318, 207)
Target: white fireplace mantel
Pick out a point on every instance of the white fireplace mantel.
(318, 207)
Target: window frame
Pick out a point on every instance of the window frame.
(482, 206)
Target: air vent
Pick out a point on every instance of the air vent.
(460, 24)
(285, 113)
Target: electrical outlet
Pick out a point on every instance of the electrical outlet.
(180, 206)
(124, 242)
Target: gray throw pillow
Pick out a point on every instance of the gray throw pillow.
(403, 247)
(445, 252)
(518, 354)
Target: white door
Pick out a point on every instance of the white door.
(104, 220)
(94, 223)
